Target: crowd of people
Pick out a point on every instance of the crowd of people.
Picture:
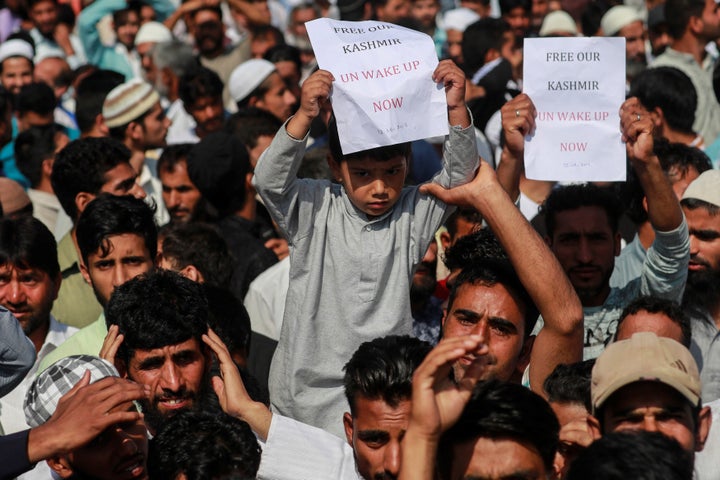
(196, 282)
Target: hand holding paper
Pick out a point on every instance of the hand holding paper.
(637, 129)
(315, 91)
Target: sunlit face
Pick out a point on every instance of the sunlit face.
(44, 16)
(126, 258)
(393, 11)
(29, 294)
(180, 195)
(16, 73)
(586, 246)
(494, 313)
(122, 180)
(375, 433)
(373, 186)
(155, 126)
(208, 114)
(175, 374)
(127, 31)
(497, 458)
(278, 99)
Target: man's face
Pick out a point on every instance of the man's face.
(16, 73)
(45, 17)
(711, 21)
(634, 34)
(372, 186)
(704, 240)
(290, 73)
(149, 71)
(494, 313)
(424, 12)
(155, 127)
(644, 321)
(454, 42)
(393, 11)
(655, 407)
(175, 373)
(659, 39)
(586, 246)
(180, 195)
(208, 114)
(375, 433)
(118, 453)
(299, 18)
(209, 33)
(122, 180)
(519, 21)
(147, 14)
(263, 142)
(487, 458)
(127, 258)
(127, 31)
(29, 294)
(278, 99)
(540, 8)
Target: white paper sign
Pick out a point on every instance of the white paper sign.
(577, 86)
(383, 92)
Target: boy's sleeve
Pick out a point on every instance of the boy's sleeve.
(460, 157)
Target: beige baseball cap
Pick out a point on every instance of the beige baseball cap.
(645, 357)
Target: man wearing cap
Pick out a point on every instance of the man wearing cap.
(692, 24)
(624, 21)
(134, 116)
(256, 83)
(650, 383)
(456, 21)
(16, 65)
(149, 35)
(701, 205)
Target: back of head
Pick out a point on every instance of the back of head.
(499, 410)
(678, 13)
(476, 247)
(570, 384)
(201, 246)
(35, 97)
(284, 53)
(110, 215)
(670, 90)
(81, 167)
(91, 93)
(383, 369)
(482, 36)
(155, 310)
(32, 148)
(380, 153)
(203, 82)
(228, 318)
(659, 305)
(251, 123)
(203, 446)
(571, 197)
(638, 455)
(26, 243)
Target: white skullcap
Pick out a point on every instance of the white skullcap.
(556, 22)
(248, 76)
(618, 17)
(16, 48)
(154, 32)
(459, 19)
(127, 102)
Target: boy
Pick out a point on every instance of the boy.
(354, 247)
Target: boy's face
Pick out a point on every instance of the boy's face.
(373, 186)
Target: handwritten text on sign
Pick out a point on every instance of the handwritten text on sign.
(383, 92)
(577, 85)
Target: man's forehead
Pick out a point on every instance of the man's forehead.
(190, 345)
(377, 411)
(121, 245)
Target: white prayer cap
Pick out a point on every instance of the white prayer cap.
(248, 76)
(618, 17)
(154, 32)
(459, 19)
(558, 22)
(127, 102)
(16, 48)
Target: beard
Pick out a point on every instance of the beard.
(702, 289)
(635, 66)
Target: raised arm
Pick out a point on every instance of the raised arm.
(560, 340)
(518, 120)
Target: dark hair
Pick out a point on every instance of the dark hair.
(120, 17)
(172, 155)
(32, 148)
(508, 5)
(678, 14)
(32, 3)
(228, 318)
(664, 306)
(379, 154)
(251, 123)
(503, 411)
(639, 455)
(264, 31)
(81, 167)
(91, 93)
(26, 243)
(480, 37)
(157, 309)
(572, 197)
(493, 271)
(109, 215)
(570, 384)
(475, 247)
(284, 53)
(204, 446)
(35, 97)
(202, 82)
(383, 369)
(209, 7)
(670, 90)
(202, 246)
(468, 214)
